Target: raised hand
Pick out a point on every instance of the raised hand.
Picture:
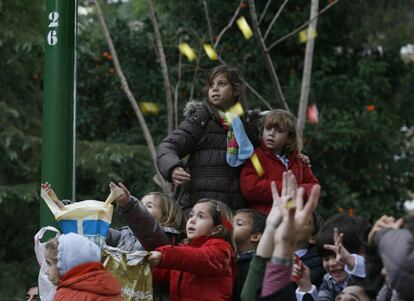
(342, 254)
(384, 222)
(51, 193)
(295, 215)
(122, 198)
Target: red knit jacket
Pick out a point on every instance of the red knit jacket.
(88, 281)
(257, 190)
(203, 270)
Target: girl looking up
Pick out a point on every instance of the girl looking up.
(203, 136)
(203, 266)
(277, 153)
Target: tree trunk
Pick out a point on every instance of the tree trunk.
(307, 69)
(268, 60)
(125, 87)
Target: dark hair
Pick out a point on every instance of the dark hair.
(258, 219)
(318, 222)
(234, 77)
(222, 215)
(350, 226)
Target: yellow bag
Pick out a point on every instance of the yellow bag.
(132, 271)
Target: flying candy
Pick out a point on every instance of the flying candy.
(211, 53)
(149, 107)
(186, 50)
(244, 27)
(313, 114)
(307, 34)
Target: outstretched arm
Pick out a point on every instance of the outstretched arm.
(144, 226)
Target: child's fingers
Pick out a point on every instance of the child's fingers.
(329, 247)
(275, 193)
(123, 187)
(299, 199)
(284, 184)
(312, 200)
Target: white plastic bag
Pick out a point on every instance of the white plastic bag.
(47, 290)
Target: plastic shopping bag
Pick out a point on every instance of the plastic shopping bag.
(47, 290)
(89, 218)
(132, 271)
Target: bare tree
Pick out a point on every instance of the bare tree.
(222, 32)
(164, 68)
(307, 68)
(268, 59)
(125, 87)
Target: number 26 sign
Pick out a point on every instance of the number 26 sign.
(52, 38)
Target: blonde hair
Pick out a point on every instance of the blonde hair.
(222, 216)
(171, 213)
(283, 120)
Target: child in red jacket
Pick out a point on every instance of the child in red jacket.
(203, 267)
(74, 266)
(277, 153)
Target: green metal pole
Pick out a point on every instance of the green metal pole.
(58, 147)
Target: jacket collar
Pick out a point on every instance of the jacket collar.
(268, 152)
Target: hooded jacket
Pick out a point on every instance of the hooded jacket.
(203, 138)
(204, 270)
(396, 248)
(257, 189)
(87, 282)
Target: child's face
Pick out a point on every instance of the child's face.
(220, 93)
(242, 227)
(200, 221)
(52, 270)
(334, 268)
(352, 293)
(153, 205)
(275, 139)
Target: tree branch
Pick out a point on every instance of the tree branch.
(248, 86)
(302, 26)
(130, 96)
(264, 11)
(274, 19)
(197, 67)
(268, 60)
(177, 86)
(210, 29)
(236, 13)
(164, 67)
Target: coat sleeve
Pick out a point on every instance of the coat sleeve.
(113, 237)
(254, 188)
(144, 226)
(181, 142)
(396, 248)
(254, 278)
(208, 260)
(309, 180)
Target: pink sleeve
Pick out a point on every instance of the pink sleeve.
(277, 276)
